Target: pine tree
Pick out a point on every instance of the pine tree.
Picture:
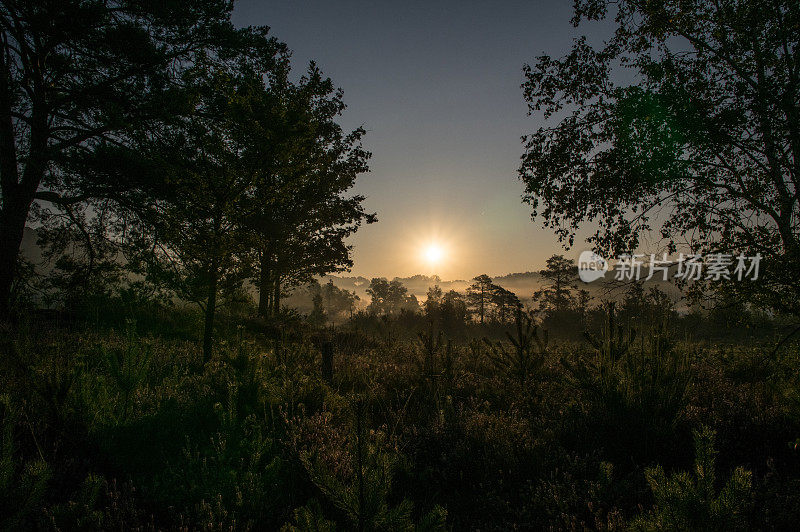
(479, 295)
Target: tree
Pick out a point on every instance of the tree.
(338, 302)
(582, 305)
(660, 308)
(504, 301)
(191, 235)
(632, 311)
(697, 500)
(704, 148)
(85, 258)
(299, 214)
(453, 310)
(78, 74)
(479, 295)
(317, 315)
(389, 297)
(557, 296)
(433, 303)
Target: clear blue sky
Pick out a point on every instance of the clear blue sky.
(437, 86)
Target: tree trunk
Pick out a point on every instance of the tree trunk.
(13, 215)
(211, 307)
(264, 287)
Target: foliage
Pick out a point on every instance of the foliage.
(639, 391)
(111, 68)
(337, 304)
(304, 163)
(529, 351)
(134, 431)
(22, 484)
(128, 367)
(390, 297)
(699, 148)
(561, 273)
(479, 295)
(692, 502)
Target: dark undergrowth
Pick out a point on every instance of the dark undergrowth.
(115, 423)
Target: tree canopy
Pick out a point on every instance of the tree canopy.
(703, 148)
(78, 75)
(163, 141)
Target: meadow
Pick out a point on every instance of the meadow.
(111, 420)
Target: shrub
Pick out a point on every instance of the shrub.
(691, 502)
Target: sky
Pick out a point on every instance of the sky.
(437, 87)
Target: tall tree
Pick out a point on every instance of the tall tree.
(194, 224)
(704, 147)
(75, 74)
(479, 295)
(557, 295)
(301, 215)
(505, 301)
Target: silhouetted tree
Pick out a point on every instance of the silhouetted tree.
(76, 76)
(453, 311)
(505, 302)
(317, 316)
(582, 304)
(191, 236)
(557, 295)
(335, 301)
(479, 295)
(390, 297)
(433, 303)
(708, 138)
(299, 213)
(633, 306)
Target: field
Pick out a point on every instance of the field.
(116, 423)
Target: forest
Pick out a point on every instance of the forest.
(179, 196)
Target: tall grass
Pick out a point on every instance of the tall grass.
(123, 427)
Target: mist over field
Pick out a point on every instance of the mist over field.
(523, 285)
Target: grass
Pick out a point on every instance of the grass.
(122, 426)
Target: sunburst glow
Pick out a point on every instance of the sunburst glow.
(431, 247)
(433, 253)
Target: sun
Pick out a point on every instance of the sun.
(431, 248)
(433, 253)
